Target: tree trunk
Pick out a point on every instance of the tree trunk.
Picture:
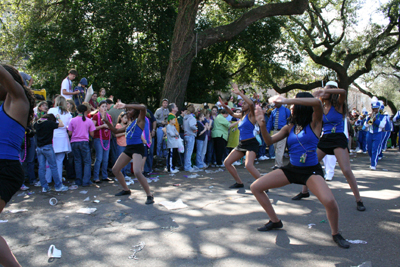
(183, 50)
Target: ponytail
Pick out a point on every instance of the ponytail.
(82, 109)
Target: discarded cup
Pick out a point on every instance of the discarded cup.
(136, 249)
(53, 201)
(53, 252)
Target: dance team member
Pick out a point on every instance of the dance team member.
(302, 135)
(248, 144)
(134, 147)
(16, 113)
(334, 141)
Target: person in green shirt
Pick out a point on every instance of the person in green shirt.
(102, 95)
(219, 135)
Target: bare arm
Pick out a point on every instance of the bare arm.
(269, 140)
(247, 100)
(30, 82)
(65, 92)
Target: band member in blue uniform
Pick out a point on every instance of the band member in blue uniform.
(302, 135)
(386, 131)
(375, 123)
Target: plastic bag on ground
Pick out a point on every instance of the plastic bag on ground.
(173, 205)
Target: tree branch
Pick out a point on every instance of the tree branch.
(227, 32)
(389, 102)
(236, 4)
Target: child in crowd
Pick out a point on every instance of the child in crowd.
(121, 139)
(79, 130)
(200, 139)
(102, 96)
(44, 132)
(172, 144)
(41, 110)
(72, 108)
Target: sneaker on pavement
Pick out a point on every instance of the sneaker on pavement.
(63, 188)
(37, 184)
(338, 238)
(327, 178)
(270, 226)
(301, 195)
(45, 190)
(273, 157)
(190, 170)
(123, 193)
(372, 168)
(236, 185)
(150, 200)
(174, 171)
(24, 188)
(360, 206)
(236, 163)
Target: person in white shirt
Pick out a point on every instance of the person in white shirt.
(67, 91)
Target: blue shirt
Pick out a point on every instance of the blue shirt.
(333, 122)
(304, 143)
(11, 136)
(284, 114)
(133, 134)
(246, 128)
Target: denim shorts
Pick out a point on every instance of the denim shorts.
(11, 178)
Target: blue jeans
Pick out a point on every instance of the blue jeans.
(101, 159)
(120, 150)
(81, 152)
(271, 151)
(47, 153)
(199, 149)
(161, 146)
(210, 152)
(189, 145)
(263, 147)
(114, 150)
(148, 167)
(29, 164)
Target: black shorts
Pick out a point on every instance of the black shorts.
(248, 145)
(300, 175)
(329, 142)
(11, 178)
(134, 149)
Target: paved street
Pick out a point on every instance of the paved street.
(218, 226)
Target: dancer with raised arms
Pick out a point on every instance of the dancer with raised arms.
(134, 147)
(15, 114)
(248, 144)
(334, 141)
(302, 135)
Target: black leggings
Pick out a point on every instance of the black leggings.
(219, 148)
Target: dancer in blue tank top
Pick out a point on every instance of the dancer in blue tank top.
(15, 114)
(302, 134)
(334, 141)
(248, 144)
(134, 147)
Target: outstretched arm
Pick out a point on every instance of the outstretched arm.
(269, 140)
(10, 86)
(245, 98)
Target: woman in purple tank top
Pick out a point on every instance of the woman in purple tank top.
(15, 114)
(334, 142)
(248, 144)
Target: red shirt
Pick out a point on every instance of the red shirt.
(105, 133)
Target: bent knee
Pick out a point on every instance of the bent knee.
(330, 203)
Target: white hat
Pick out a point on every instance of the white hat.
(382, 106)
(364, 111)
(374, 102)
(332, 83)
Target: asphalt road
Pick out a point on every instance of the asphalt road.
(218, 226)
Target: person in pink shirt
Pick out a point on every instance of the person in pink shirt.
(79, 129)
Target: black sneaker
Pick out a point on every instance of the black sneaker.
(236, 185)
(360, 206)
(123, 193)
(300, 196)
(150, 200)
(338, 238)
(270, 225)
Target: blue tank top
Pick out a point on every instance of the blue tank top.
(333, 122)
(11, 136)
(246, 128)
(305, 143)
(133, 134)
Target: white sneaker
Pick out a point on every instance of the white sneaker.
(328, 178)
(63, 188)
(37, 184)
(24, 188)
(236, 163)
(372, 168)
(190, 170)
(44, 190)
(261, 158)
(273, 157)
(174, 171)
(127, 178)
(365, 152)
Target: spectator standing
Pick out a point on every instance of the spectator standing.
(93, 101)
(190, 132)
(200, 140)
(81, 88)
(148, 167)
(28, 80)
(277, 120)
(172, 144)
(161, 116)
(66, 85)
(79, 129)
(219, 134)
(61, 144)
